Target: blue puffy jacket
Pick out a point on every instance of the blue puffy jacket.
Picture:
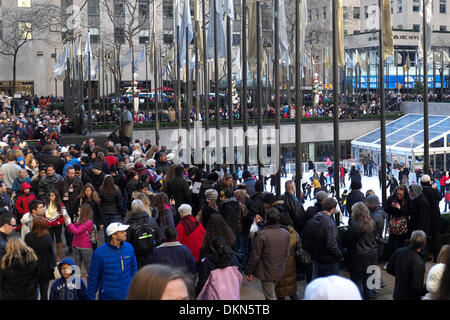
(111, 272)
(70, 164)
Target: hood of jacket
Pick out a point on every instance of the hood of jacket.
(68, 261)
(137, 217)
(24, 186)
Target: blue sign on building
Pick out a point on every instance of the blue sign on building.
(391, 81)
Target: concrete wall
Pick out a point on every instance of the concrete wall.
(435, 108)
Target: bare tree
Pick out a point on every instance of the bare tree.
(24, 25)
(130, 17)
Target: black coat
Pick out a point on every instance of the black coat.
(142, 218)
(255, 204)
(230, 211)
(408, 268)
(378, 216)
(43, 246)
(312, 210)
(19, 281)
(57, 162)
(320, 239)
(111, 203)
(131, 187)
(434, 197)
(420, 215)
(178, 189)
(362, 248)
(295, 209)
(353, 197)
(207, 212)
(97, 180)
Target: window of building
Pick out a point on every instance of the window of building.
(144, 36)
(236, 39)
(1, 30)
(356, 13)
(443, 6)
(366, 12)
(24, 30)
(324, 13)
(119, 21)
(119, 35)
(400, 6)
(443, 28)
(24, 3)
(168, 9)
(346, 12)
(317, 13)
(144, 12)
(94, 34)
(416, 27)
(309, 15)
(392, 6)
(416, 5)
(167, 36)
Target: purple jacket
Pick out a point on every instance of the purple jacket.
(80, 238)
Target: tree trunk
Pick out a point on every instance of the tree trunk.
(14, 74)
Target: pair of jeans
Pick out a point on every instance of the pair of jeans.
(242, 246)
(82, 255)
(325, 269)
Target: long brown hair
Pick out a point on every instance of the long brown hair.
(40, 227)
(151, 153)
(151, 281)
(170, 175)
(159, 201)
(57, 202)
(95, 195)
(108, 185)
(86, 213)
(443, 292)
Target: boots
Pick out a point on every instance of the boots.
(59, 251)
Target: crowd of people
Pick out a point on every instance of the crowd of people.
(138, 226)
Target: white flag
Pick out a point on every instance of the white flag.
(61, 64)
(126, 59)
(221, 46)
(283, 51)
(428, 26)
(186, 23)
(87, 54)
(140, 58)
(229, 8)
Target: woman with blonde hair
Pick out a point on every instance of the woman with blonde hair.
(151, 153)
(19, 271)
(31, 165)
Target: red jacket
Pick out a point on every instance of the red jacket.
(111, 161)
(443, 180)
(23, 200)
(341, 169)
(195, 239)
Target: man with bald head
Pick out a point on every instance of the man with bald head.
(293, 206)
(433, 196)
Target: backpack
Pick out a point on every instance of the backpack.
(143, 239)
(222, 284)
(93, 236)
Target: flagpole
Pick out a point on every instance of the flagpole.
(188, 93)
(103, 84)
(56, 80)
(155, 74)
(368, 75)
(244, 83)
(434, 75)
(277, 95)
(396, 72)
(336, 101)
(298, 103)
(205, 87)
(219, 154)
(178, 88)
(89, 91)
(147, 103)
(230, 99)
(442, 74)
(426, 150)
(382, 106)
(259, 84)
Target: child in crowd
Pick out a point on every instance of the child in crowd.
(70, 286)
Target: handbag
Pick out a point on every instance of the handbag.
(398, 226)
(302, 257)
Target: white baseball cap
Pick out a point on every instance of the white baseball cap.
(115, 227)
(170, 156)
